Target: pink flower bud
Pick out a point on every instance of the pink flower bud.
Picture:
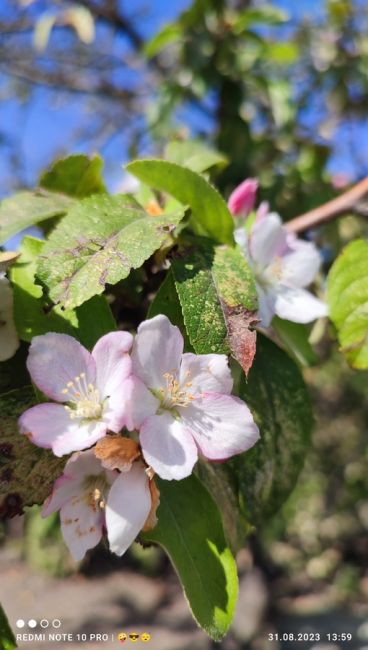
(242, 199)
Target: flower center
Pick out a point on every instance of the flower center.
(83, 399)
(95, 489)
(174, 394)
(271, 275)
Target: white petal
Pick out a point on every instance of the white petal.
(298, 305)
(64, 489)
(266, 306)
(206, 373)
(268, 237)
(127, 508)
(157, 349)
(168, 447)
(222, 425)
(9, 341)
(81, 526)
(113, 363)
(140, 403)
(300, 266)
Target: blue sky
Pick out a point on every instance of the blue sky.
(41, 127)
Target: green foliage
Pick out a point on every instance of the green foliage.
(25, 209)
(78, 176)
(218, 299)
(348, 302)
(95, 319)
(277, 395)
(99, 241)
(294, 336)
(27, 472)
(210, 212)
(198, 550)
(7, 638)
(195, 156)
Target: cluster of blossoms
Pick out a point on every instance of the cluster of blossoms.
(176, 405)
(9, 341)
(283, 265)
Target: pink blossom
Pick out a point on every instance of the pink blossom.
(283, 266)
(182, 404)
(9, 341)
(242, 199)
(89, 389)
(91, 498)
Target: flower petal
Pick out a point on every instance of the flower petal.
(242, 199)
(168, 447)
(206, 373)
(266, 305)
(113, 363)
(56, 359)
(301, 265)
(298, 305)
(140, 403)
(128, 506)
(50, 426)
(81, 526)
(64, 489)
(222, 425)
(157, 349)
(268, 237)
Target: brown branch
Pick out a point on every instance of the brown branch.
(347, 202)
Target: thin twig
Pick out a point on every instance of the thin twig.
(347, 202)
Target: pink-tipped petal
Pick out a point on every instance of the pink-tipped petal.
(140, 403)
(127, 508)
(81, 526)
(157, 350)
(56, 359)
(168, 447)
(243, 198)
(64, 489)
(113, 363)
(50, 426)
(298, 305)
(222, 425)
(205, 373)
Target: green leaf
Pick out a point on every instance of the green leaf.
(27, 472)
(25, 209)
(190, 530)
(218, 299)
(95, 319)
(31, 315)
(347, 288)
(99, 241)
(278, 398)
(7, 638)
(169, 34)
(210, 212)
(266, 14)
(78, 176)
(294, 337)
(194, 155)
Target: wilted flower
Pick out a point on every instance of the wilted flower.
(283, 265)
(90, 387)
(242, 199)
(181, 403)
(9, 341)
(91, 498)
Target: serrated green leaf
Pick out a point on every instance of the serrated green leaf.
(347, 295)
(218, 299)
(294, 337)
(99, 241)
(95, 319)
(7, 638)
(27, 472)
(77, 176)
(278, 398)
(31, 316)
(25, 209)
(190, 530)
(195, 156)
(211, 215)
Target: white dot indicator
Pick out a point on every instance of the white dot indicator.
(44, 623)
(56, 622)
(20, 623)
(32, 623)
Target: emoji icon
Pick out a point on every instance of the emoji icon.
(134, 637)
(145, 637)
(122, 637)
